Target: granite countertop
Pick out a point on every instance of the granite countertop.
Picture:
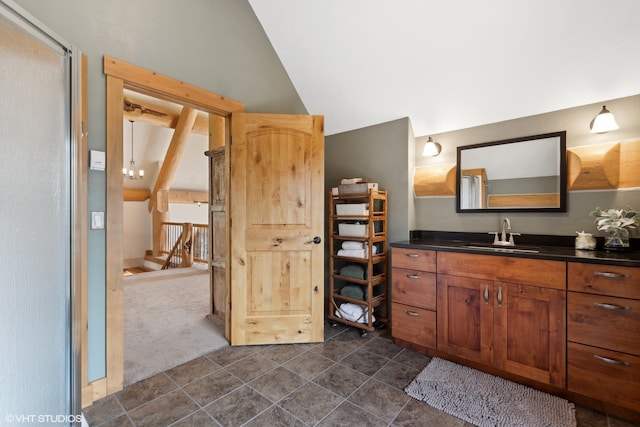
(559, 248)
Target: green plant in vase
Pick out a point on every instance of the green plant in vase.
(616, 223)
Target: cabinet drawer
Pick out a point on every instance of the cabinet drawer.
(414, 287)
(413, 259)
(604, 279)
(526, 271)
(604, 375)
(602, 321)
(414, 325)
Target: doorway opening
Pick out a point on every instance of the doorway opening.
(120, 76)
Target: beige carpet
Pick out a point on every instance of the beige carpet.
(164, 321)
(486, 400)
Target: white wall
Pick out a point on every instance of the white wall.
(138, 227)
(137, 232)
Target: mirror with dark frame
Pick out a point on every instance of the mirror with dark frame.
(527, 174)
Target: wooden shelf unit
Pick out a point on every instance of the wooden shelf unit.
(374, 283)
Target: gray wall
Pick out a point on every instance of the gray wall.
(438, 213)
(381, 153)
(217, 45)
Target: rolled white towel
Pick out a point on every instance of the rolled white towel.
(354, 313)
(353, 245)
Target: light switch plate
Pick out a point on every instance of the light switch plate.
(97, 220)
(96, 160)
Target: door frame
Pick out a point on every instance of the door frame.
(119, 76)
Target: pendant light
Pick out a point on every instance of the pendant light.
(131, 172)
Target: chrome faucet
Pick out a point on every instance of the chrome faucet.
(500, 238)
(506, 225)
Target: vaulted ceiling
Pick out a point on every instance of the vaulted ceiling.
(452, 64)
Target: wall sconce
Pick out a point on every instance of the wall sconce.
(431, 148)
(604, 122)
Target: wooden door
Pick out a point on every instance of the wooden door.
(465, 317)
(277, 222)
(530, 332)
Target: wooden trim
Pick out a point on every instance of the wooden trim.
(163, 87)
(119, 76)
(217, 132)
(113, 236)
(524, 200)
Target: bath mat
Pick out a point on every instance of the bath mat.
(487, 400)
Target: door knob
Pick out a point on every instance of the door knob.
(315, 240)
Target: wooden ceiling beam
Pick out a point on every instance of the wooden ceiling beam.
(174, 153)
(135, 194)
(188, 196)
(142, 110)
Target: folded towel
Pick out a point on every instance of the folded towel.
(354, 313)
(353, 245)
(357, 253)
(353, 253)
(353, 291)
(353, 270)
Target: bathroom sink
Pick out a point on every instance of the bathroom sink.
(508, 249)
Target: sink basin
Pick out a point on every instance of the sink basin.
(509, 249)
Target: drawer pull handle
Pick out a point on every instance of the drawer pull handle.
(499, 296)
(485, 294)
(413, 276)
(611, 361)
(413, 255)
(412, 313)
(611, 275)
(611, 306)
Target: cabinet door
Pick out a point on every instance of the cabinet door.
(465, 317)
(530, 332)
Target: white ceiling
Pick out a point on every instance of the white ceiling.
(452, 64)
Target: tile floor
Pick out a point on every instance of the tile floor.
(348, 380)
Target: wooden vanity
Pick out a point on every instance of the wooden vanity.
(563, 321)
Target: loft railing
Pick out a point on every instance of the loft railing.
(184, 243)
(200, 247)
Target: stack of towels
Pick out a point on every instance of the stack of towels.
(356, 249)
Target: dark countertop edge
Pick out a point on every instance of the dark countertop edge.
(558, 248)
